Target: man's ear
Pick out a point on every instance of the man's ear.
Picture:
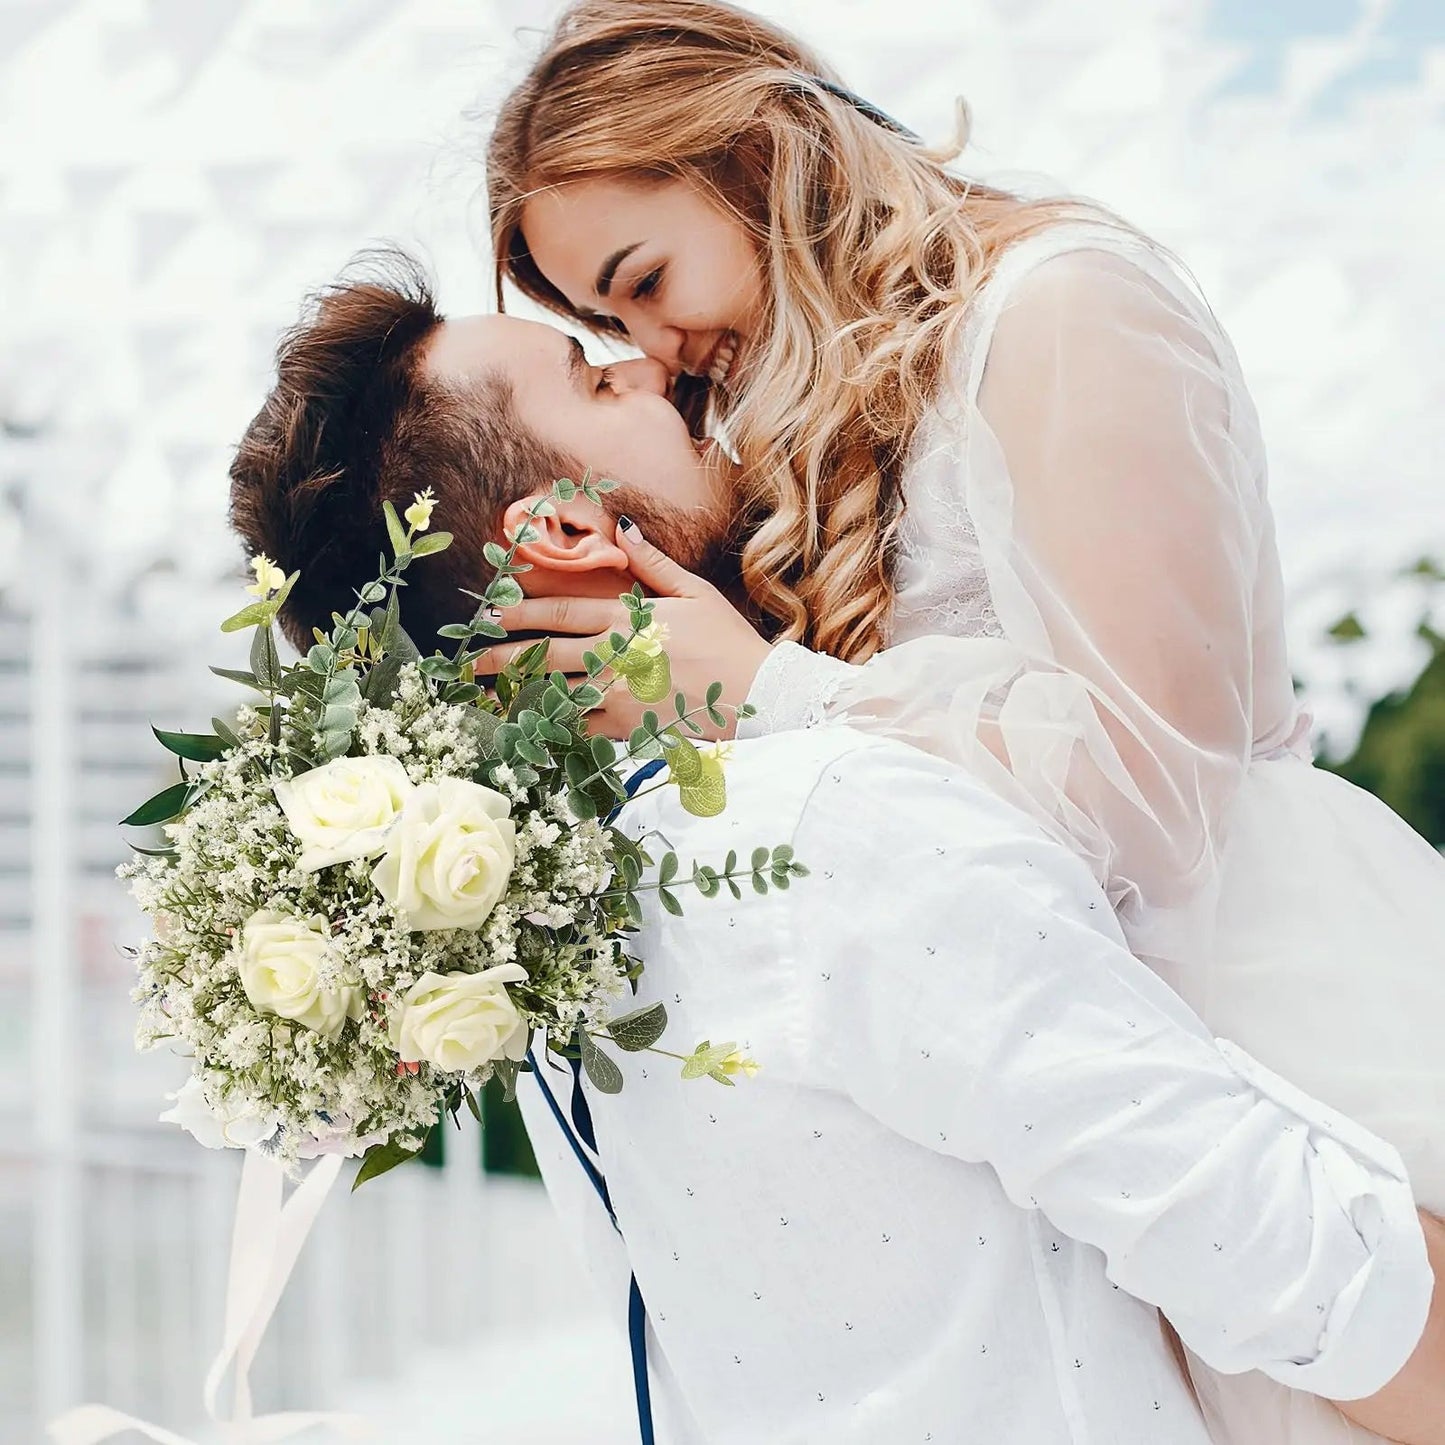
(578, 537)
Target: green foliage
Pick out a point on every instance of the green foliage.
(1401, 753)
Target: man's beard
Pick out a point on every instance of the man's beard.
(699, 539)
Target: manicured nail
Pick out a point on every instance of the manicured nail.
(634, 532)
(494, 614)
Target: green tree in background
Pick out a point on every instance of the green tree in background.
(1400, 756)
(1401, 753)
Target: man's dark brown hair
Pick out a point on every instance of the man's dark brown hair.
(354, 420)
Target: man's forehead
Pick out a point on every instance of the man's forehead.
(463, 348)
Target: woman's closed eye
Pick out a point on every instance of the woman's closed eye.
(648, 284)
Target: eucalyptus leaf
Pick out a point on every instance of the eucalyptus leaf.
(246, 679)
(225, 732)
(605, 1075)
(394, 530)
(639, 1030)
(265, 662)
(257, 612)
(504, 592)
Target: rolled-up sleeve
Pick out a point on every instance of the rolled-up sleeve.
(995, 1014)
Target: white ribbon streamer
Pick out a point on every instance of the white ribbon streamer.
(265, 1241)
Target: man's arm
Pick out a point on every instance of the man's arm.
(972, 991)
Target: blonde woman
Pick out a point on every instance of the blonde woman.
(1005, 493)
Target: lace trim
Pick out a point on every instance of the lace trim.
(794, 688)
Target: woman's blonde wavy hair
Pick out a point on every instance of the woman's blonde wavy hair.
(870, 251)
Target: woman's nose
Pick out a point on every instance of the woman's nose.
(661, 343)
(641, 374)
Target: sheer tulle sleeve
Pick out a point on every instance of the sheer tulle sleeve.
(1114, 478)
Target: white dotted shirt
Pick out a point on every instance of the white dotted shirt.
(983, 1133)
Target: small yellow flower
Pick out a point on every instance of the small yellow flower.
(269, 577)
(738, 1063)
(418, 515)
(722, 751)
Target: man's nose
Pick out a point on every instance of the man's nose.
(641, 374)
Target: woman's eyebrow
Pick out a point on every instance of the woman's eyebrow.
(609, 268)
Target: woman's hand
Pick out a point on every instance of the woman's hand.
(708, 639)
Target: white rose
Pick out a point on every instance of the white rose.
(344, 809)
(460, 1021)
(236, 1124)
(449, 857)
(280, 968)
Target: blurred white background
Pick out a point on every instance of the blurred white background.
(174, 174)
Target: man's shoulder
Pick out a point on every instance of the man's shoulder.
(835, 773)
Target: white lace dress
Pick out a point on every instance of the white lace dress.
(1089, 612)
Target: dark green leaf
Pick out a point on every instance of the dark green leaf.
(472, 1105)
(669, 900)
(440, 669)
(605, 1075)
(639, 1030)
(581, 805)
(159, 809)
(714, 692)
(495, 554)
(383, 1157)
(381, 680)
(197, 747)
(668, 869)
(604, 752)
(320, 659)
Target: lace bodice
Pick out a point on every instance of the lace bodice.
(941, 583)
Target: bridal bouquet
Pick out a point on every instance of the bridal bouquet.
(380, 882)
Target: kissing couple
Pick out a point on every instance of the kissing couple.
(1101, 1096)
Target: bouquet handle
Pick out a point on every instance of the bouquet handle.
(266, 1240)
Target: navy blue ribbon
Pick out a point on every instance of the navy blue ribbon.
(581, 1132)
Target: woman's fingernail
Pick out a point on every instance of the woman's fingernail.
(494, 614)
(634, 532)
